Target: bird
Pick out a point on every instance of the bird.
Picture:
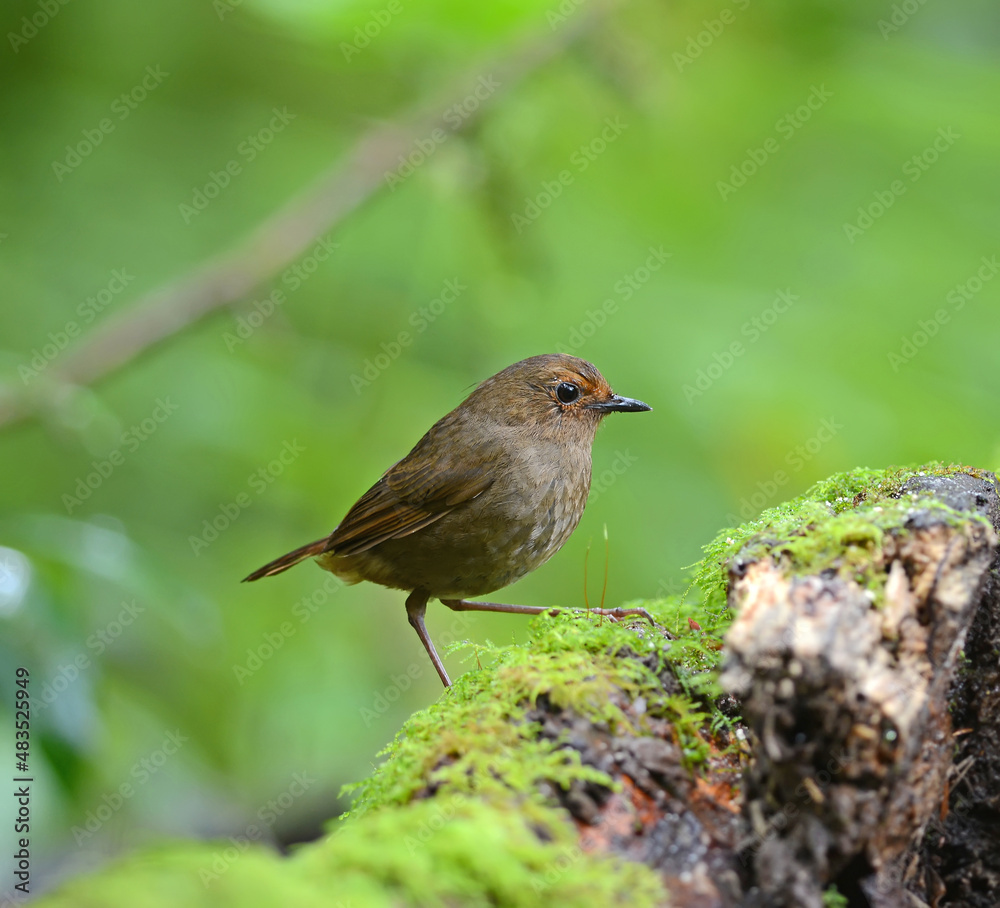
(491, 492)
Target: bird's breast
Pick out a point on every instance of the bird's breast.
(538, 503)
(534, 503)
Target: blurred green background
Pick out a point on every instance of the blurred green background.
(815, 183)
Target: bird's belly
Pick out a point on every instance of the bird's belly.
(480, 547)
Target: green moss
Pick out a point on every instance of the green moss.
(833, 899)
(435, 852)
(461, 851)
(478, 740)
(837, 525)
(478, 750)
(200, 875)
(490, 835)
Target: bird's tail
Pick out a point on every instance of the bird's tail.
(290, 560)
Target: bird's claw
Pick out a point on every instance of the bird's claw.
(616, 614)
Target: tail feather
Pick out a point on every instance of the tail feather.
(290, 560)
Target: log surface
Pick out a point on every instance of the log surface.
(849, 696)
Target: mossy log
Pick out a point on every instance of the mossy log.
(847, 754)
(848, 689)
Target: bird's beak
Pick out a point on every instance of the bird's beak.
(616, 404)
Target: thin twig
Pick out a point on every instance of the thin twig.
(278, 240)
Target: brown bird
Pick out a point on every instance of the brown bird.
(491, 492)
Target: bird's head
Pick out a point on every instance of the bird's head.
(554, 394)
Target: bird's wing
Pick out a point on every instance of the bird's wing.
(439, 474)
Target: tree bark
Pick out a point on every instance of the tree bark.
(855, 747)
(874, 761)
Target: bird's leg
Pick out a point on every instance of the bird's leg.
(464, 605)
(416, 605)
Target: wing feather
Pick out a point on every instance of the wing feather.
(442, 472)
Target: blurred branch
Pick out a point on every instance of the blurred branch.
(281, 238)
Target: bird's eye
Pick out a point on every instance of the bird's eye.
(567, 392)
